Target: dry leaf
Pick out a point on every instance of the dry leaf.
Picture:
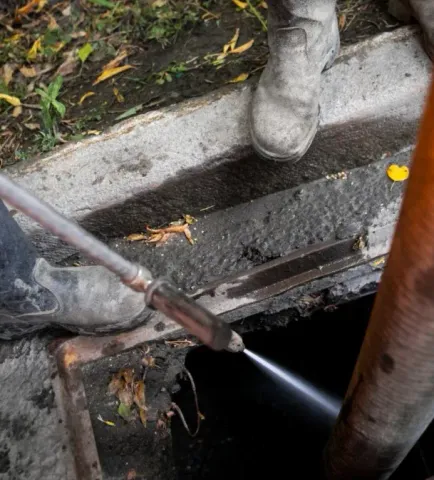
(126, 396)
(180, 343)
(398, 173)
(32, 126)
(189, 219)
(139, 395)
(110, 73)
(143, 418)
(116, 61)
(93, 132)
(127, 374)
(119, 97)
(8, 72)
(66, 12)
(242, 48)
(240, 78)
(52, 24)
(232, 42)
(117, 383)
(263, 5)
(15, 101)
(69, 64)
(188, 235)
(35, 49)
(28, 72)
(131, 475)
(28, 7)
(79, 34)
(17, 111)
(342, 21)
(148, 361)
(160, 235)
(135, 237)
(378, 262)
(240, 4)
(86, 95)
(107, 422)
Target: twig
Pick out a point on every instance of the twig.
(196, 402)
(256, 13)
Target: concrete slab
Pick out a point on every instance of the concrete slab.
(152, 168)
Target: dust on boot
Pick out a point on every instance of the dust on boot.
(423, 12)
(34, 294)
(303, 38)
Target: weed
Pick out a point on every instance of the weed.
(51, 108)
(166, 75)
(46, 141)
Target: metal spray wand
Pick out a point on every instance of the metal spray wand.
(159, 294)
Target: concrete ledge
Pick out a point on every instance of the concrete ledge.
(156, 166)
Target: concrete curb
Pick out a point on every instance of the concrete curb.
(198, 154)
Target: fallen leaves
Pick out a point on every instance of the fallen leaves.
(161, 235)
(240, 4)
(245, 46)
(118, 95)
(130, 392)
(28, 72)
(232, 42)
(15, 101)
(86, 95)
(111, 72)
(34, 49)
(398, 173)
(8, 73)
(85, 51)
(69, 64)
(29, 7)
(240, 78)
(107, 422)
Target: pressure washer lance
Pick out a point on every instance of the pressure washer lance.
(159, 294)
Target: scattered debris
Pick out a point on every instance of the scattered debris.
(360, 243)
(180, 343)
(337, 176)
(378, 262)
(398, 173)
(130, 392)
(107, 422)
(135, 237)
(240, 78)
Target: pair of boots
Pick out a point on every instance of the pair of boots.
(303, 39)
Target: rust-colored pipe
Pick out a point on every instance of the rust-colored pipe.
(390, 400)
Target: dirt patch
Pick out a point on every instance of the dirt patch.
(129, 445)
(174, 49)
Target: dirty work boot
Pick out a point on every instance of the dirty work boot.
(303, 39)
(423, 12)
(34, 295)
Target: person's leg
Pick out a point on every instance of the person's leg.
(423, 11)
(33, 294)
(303, 38)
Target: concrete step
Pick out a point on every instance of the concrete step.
(153, 168)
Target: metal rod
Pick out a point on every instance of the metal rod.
(390, 400)
(162, 295)
(133, 275)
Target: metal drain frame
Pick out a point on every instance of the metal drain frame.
(228, 295)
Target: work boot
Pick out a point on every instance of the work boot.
(303, 39)
(423, 12)
(34, 295)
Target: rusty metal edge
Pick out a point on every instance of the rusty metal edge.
(220, 297)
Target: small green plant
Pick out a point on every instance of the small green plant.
(173, 70)
(47, 141)
(51, 108)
